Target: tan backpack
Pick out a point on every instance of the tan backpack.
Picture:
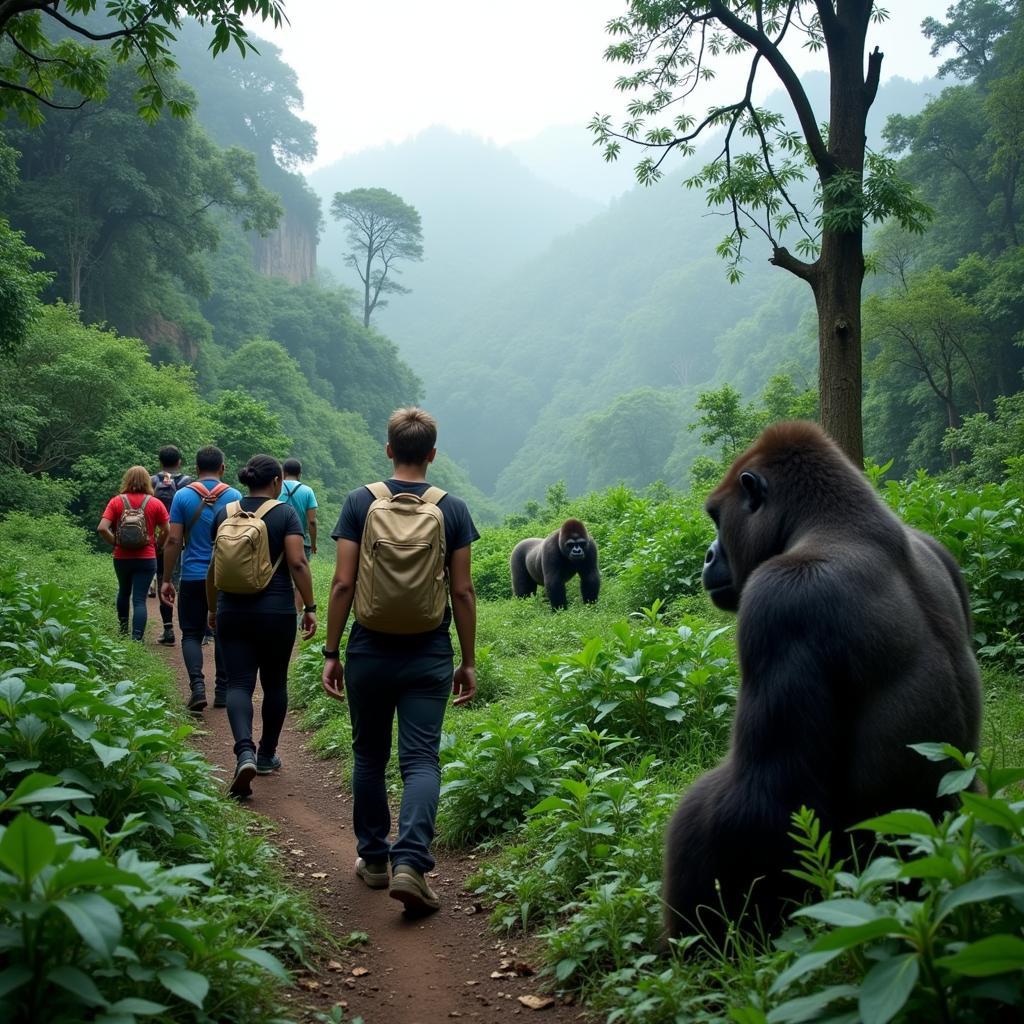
(241, 551)
(401, 586)
(132, 531)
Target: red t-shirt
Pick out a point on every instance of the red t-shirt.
(156, 515)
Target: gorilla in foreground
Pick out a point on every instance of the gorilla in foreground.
(854, 642)
(566, 552)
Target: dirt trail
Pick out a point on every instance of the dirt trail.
(421, 971)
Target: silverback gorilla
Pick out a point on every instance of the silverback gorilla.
(854, 641)
(566, 552)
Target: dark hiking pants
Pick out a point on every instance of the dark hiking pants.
(133, 578)
(192, 616)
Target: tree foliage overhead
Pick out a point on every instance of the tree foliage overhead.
(38, 71)
(669, 48)
(383, 230)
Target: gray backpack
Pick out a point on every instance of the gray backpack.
(132, 531)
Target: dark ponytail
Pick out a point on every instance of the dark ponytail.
(259, 471)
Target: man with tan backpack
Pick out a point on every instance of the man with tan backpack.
(403, 547)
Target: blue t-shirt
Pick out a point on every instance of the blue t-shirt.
(195, 559)
(301, 498)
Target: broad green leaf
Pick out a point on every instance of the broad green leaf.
(142, 1007)
(14, 977)
(957, 781)
(266, 960)
(78, 983)
(840, 912)
(806, 1008)
(108, 755)
(994, 885)
(95, 919)
(187, 985)
(83, 728)
(887, 987)
(669, 699)
(994, 810)
(931, 866)
(857, 935)
(901, 823)
(995, 955)
(27, 847)
(805, 965)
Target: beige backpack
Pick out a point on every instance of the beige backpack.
(401, 586)
(241, 551)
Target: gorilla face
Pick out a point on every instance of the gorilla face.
(575, 549)
(734, 507)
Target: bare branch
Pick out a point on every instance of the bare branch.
(4, 84)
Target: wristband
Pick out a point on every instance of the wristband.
(309, 608)
(331, 654)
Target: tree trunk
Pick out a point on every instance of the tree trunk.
(840, 268)
(837, 296)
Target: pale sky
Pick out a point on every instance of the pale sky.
(382, 72)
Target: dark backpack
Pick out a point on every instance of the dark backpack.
(166, 486)
(132, 532)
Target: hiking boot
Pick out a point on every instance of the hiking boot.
(168, 638)
(152, 591)
(207, 637)
(265, 765)
(220, 698)
(197, 699)
(245, 771)
(374, 875)
(408, 886)
(122, 627)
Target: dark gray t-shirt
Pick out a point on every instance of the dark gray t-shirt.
(459, 532)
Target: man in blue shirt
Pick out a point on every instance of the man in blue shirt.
(301, 498)
(192, 514)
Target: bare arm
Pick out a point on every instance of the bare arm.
(343, 589)
(311, 524)
(171, 550)
(460, 578)
(295, 553)
(105, 531)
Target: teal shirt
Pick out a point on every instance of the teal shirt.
(301, 498)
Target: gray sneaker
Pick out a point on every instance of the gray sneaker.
(245, 771)
(408, 886)
(374, 875)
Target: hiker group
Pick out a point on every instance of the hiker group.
(237, 569)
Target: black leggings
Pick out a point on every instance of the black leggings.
(256, 642)
(133, 579)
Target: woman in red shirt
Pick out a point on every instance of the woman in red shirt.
(135, 539)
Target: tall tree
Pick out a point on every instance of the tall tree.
(670, 45)
(383, 230)
(37, 71)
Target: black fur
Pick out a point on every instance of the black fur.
(854, 641)
(549, 562)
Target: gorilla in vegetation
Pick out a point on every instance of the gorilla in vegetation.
(854, 642)
(568, 551)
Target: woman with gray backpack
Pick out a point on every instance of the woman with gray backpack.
(258, 557)
(134, 523)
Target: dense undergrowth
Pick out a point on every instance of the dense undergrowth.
(592, 721)
(129, 888)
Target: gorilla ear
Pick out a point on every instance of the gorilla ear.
(755, 487)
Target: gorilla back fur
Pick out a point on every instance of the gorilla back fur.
(551, 561)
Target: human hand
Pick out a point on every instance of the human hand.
(211, 621)
(308, 625)
(464, 684)
(312, 549)
(333, 678)
(167, 593)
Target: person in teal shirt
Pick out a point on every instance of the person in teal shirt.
(301, 498)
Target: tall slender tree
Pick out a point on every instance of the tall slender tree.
(670, 47)
(383, 230)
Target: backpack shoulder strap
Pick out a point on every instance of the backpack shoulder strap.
(434, 495)
(263, 509)
(195, 485)
(126, 502)
(145, 502)
(380, 490)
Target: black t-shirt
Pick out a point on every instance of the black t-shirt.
(459, 532)
(278, 595)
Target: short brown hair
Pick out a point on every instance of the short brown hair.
(136, 481)
(412, 434)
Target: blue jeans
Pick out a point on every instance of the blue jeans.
(133, 578)
(418, 688)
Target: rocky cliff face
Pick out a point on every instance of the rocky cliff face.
(289, 251)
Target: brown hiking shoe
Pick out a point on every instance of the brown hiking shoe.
(408, 886)
(374, 875)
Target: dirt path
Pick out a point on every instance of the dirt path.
(421, 971)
